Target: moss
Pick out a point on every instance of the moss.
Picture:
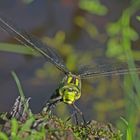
(22, 124)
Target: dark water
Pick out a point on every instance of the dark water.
(46, 18)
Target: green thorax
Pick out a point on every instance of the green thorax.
(70, 88)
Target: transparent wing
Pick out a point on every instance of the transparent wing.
(33, 42)
(106, 68)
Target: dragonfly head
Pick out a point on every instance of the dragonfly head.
(70, 89)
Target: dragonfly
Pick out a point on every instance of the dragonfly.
(69, 89)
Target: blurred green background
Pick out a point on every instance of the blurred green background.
(81, 31)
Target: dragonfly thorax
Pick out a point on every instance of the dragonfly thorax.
(70, 89)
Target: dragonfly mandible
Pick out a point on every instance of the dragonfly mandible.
(70, 87)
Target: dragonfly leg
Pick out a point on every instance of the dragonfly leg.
(78, 111)
(71, 116)
(76, 118)
(51, 103)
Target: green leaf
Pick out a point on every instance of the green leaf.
(27, 125)
(3, 136)
(93, 6)
(130, 33)
(14, 128)
(128, 129)
(59, 38)
(138, 18)
(113, 28)
(20, 49)
(18, 85)
(114, 48)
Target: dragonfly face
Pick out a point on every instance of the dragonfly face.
(70, 89)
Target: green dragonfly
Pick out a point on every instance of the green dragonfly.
(70, 87)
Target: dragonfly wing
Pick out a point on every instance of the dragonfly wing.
(106, 68)
(31, 41)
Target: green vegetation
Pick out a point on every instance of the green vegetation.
(120, 42)
(51, 127)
